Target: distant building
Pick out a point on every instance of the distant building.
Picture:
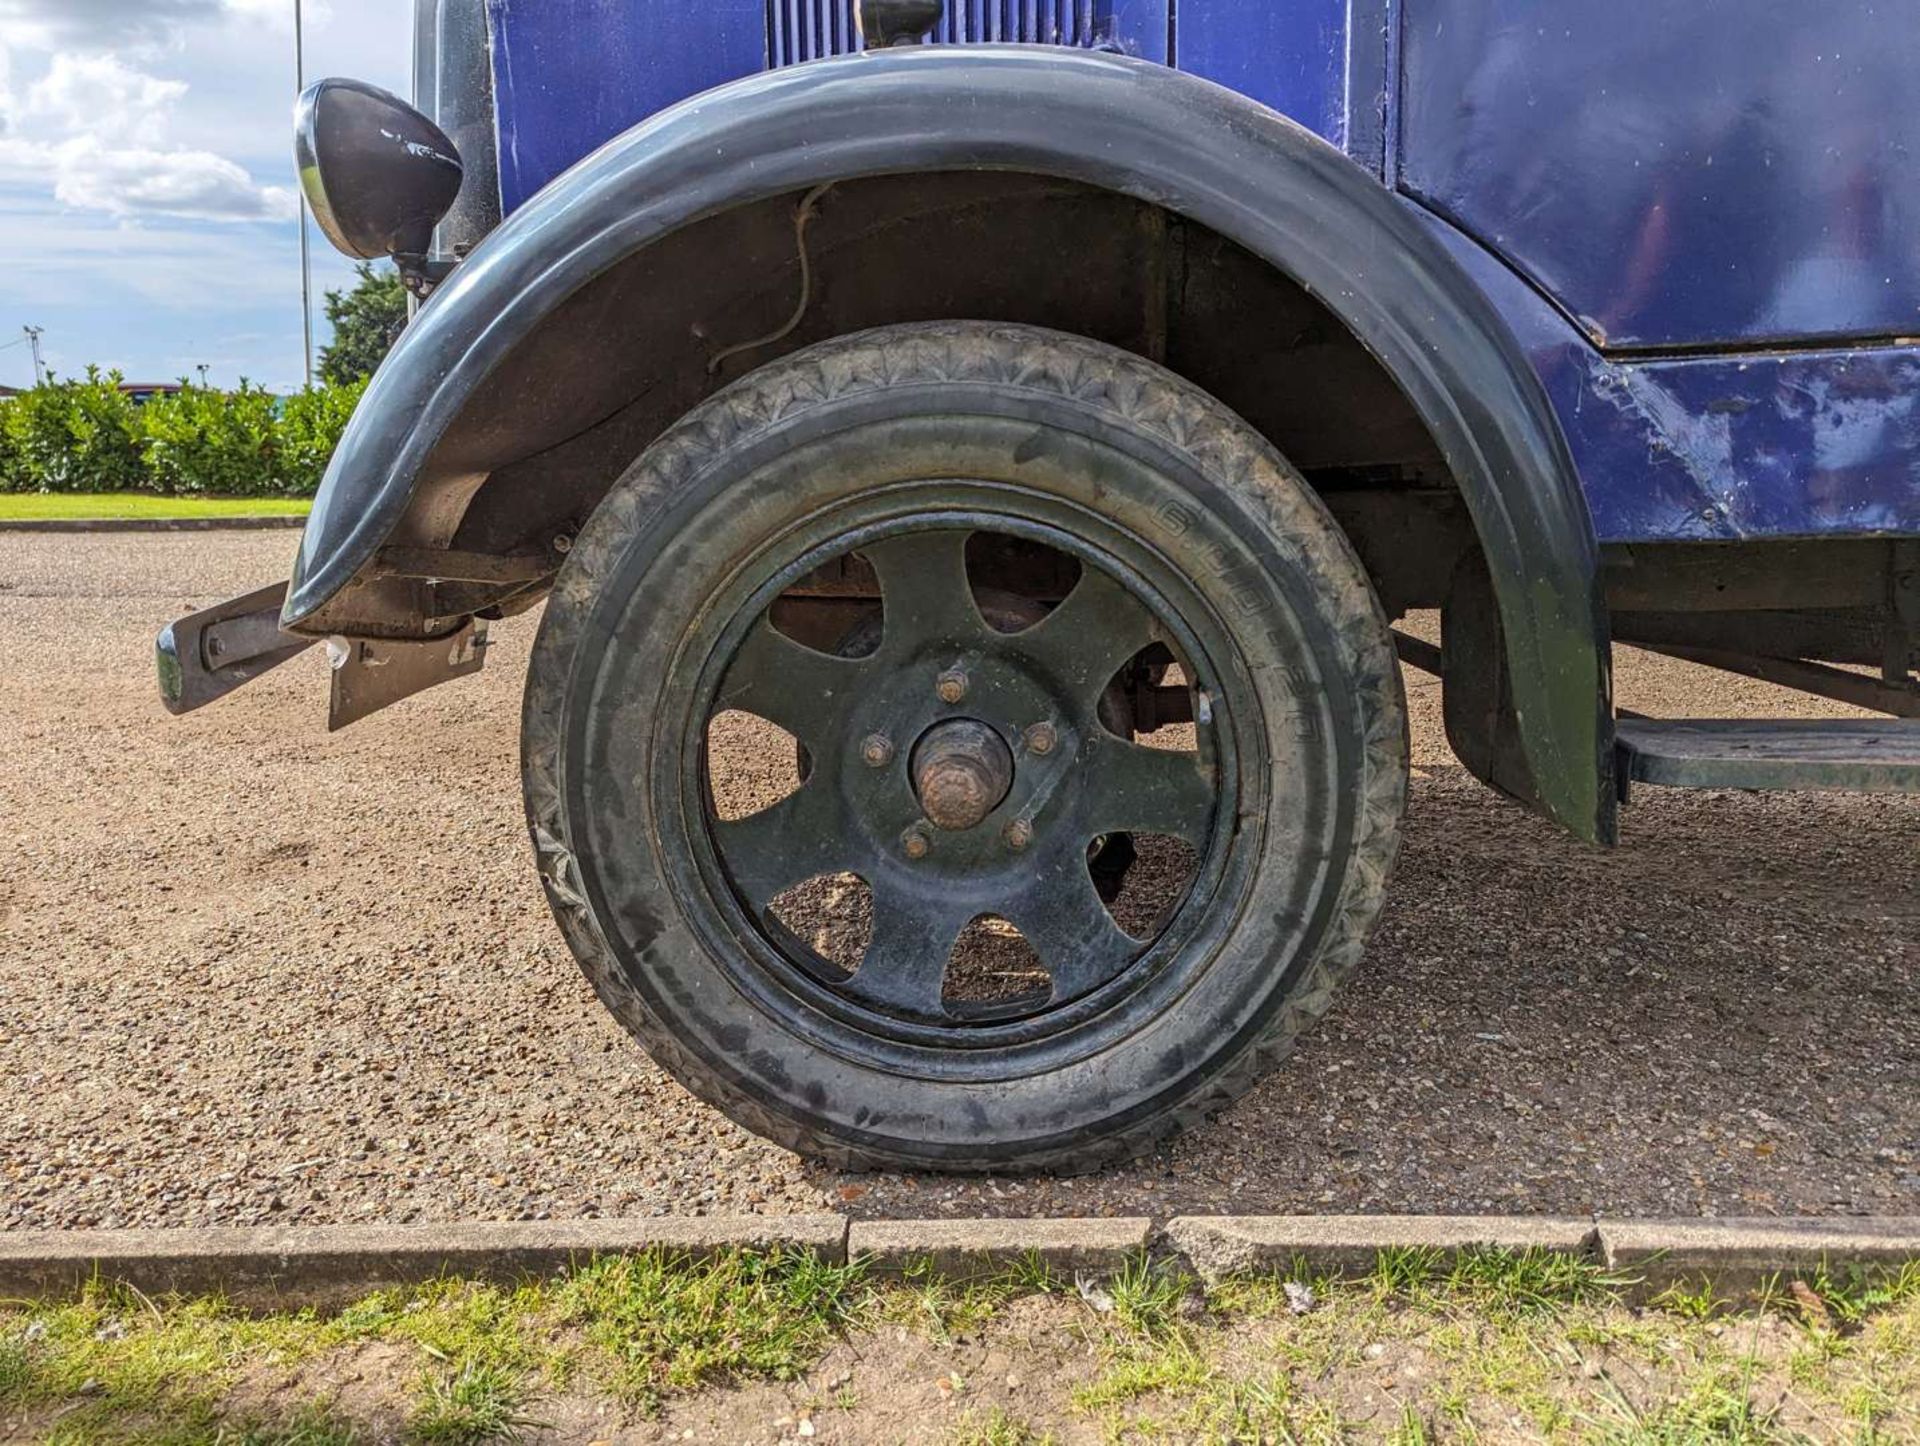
(140, 393)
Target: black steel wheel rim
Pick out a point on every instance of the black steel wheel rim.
(855, 815)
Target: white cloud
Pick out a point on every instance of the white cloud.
(93, 127)
(122, 25)
(279, 13)
(6, 91)
(101, 96)
(130, 181)
(100, 24)
(58, 257)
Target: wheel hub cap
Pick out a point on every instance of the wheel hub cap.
(961, 772)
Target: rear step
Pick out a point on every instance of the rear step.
(1854, 756)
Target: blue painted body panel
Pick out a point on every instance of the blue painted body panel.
(1679, 173)
(1816, 443)
(570, 75)
(1737, 180)
(1291, 57)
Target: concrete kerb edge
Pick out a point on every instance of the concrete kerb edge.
(1216, 1246)
(972, 1248)
(319, 1266)
(329, 1265)
(1742, 1256)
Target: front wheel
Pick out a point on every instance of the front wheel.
(966, 567)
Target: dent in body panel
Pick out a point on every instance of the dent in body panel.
(1811, 444)
(1696, 453)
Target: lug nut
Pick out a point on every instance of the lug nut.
(951, 686)
(1041, 738)
(877, 750)
(1019, 834)
(914, 843)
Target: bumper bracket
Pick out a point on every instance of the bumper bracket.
(206, 655)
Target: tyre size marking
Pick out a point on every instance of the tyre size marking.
(1246, 585)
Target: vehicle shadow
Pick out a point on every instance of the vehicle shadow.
(1717, 1018)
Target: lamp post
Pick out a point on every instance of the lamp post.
(306, 260)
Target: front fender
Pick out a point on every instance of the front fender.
(1108, 121)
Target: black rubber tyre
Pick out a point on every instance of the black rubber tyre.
(1166, 496)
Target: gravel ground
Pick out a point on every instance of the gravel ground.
(253, 972)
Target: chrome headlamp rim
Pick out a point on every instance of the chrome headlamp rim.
(306, 159)
(380, 176)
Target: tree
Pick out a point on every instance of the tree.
(365, 322)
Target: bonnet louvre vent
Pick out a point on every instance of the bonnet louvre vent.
(811, 29)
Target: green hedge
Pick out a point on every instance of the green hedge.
(85, 435)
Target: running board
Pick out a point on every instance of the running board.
(1843, 755)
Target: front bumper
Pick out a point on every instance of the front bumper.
(207, 655)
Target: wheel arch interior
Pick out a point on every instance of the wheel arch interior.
(557, 422)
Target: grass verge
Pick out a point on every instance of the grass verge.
(119, 506)
(1486, 1346)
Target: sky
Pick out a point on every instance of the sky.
(147, 197)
